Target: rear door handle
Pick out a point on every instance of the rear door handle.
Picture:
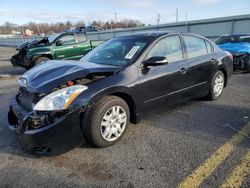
(213, 60)
(183, 70)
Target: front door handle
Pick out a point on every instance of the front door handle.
(183, 70)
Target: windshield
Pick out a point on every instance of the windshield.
(118, 51)
(233, 39)
(51, 38)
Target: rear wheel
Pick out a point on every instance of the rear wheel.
(40, 59)
(217, 85)
(107, 121)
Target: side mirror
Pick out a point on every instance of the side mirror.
(59, 42)
(156, 61)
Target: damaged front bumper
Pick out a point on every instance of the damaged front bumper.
(241, 61)
(20, 60)
(14, 60)
(44, 133)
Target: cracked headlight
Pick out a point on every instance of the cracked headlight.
(59, 100)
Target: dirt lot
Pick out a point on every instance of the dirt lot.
(195, 143)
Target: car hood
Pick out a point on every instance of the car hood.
(33, 43)
(45, 77)
(236, 48)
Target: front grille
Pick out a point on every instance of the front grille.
(26, 99)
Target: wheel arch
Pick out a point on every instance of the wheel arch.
(131, 104)
(87, 99)
(42, 55)
(223, 70)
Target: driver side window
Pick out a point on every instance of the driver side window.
(68, 39)
(169, 47)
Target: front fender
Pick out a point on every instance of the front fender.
(122, 83)
(87, 98)
(36, 52)
(86, 102)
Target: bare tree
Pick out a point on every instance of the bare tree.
(80, 24)
(46, 28)
(7, 29)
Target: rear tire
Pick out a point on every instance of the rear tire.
(217, 85)
(40, 59)
(106, 121)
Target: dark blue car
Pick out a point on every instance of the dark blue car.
(239, 46)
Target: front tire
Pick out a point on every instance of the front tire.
(40, 59)
(107, 121)
(217, 85)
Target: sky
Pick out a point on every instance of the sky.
(50, 11)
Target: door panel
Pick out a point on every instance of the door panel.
(201, 62)
(200, 72)
(69, 48)
(84, 48)
(83, 45)
(164, 83)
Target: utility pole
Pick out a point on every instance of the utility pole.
(22, 31)
(38, 29)
(115, 26)
(186, 20)
(158, 19)
(177, 15)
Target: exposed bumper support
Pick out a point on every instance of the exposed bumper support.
(61, 135)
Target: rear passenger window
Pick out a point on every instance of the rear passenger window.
(195, 46)
(169, 47)
(80, 37)
(210, 48)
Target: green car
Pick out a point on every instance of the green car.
(66, 45)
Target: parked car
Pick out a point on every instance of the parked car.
(62, 103)
(239, 46)
(71, 45)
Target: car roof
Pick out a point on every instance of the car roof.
(150, 34)
(157, 34)
(72, 32)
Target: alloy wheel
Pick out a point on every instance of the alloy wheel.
(113, 123)
(218, 85)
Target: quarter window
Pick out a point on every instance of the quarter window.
(195, 46)
(169, 47)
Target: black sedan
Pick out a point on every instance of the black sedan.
(60, 104)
